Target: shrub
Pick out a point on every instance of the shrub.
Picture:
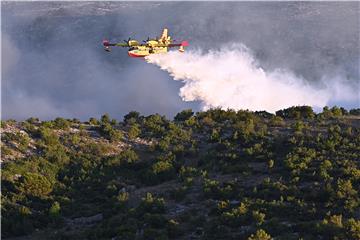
(353, 228)
(259, 217)
(61, 123)
(34, 184)
(129, 156)
(271, 163)
(134, 131)
(355, 111)
(132, 117)
(151, 204)
(296, 112)
(93, 121)
(110, 133)
(33, 120)
(105, 118)
(54, 211)
(260, 235)
(184, 115)
(163, 170)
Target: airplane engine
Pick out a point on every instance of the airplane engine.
(152, 43)
(133, 43)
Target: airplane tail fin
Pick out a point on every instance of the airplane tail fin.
(164, 37)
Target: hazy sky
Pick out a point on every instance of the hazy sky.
(53, 63)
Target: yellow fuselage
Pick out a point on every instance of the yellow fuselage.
(143, 51)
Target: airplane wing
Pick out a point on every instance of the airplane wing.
(120, 45)
(182, 44)
(107, 45)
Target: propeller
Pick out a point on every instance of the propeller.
(145, 41)
(127, 41)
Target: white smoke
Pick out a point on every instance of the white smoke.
(231, 78)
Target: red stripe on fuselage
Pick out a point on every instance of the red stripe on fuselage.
(135, 55)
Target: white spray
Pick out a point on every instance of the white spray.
(231, 78)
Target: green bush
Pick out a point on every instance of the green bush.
(134, 131)
(61, 123)
(184, 115)
(34, 184)
(260, 235)
(297, 112)
(109, 132)
(132, 117)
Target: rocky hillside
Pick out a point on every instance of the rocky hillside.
(209, 175)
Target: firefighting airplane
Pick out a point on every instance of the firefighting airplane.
(150, 46)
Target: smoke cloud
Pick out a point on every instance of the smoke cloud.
(232, 78)
(53, 63)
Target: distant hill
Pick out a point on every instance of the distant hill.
(207, 175)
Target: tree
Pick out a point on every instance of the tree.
(113, 122)
(345, 189)
(161, 167)
(299, 126)
(151, 204)
(296, 112)
(105, 118)
(326, 113)
(336, 220)
(49, 137)
(191, 121)
(336, 111)
(184, 115)
(325, 166)
(129, 156)
(260, 235)
(264, 114)
(56, 154)
(271, 163)
(61, 123)
(110, 133)
(134, 131)
(54, 211)
(54, 151)
(353, 228)
(347, 194)
(300, 158)
(33, 120)
(93, 121)
(132, 117)
(155, 124)
(123, 197)
(215, 135)
(259, 217)
(355, 111)
(34, 184)
(277, 121)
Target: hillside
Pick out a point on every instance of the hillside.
(207, 175)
